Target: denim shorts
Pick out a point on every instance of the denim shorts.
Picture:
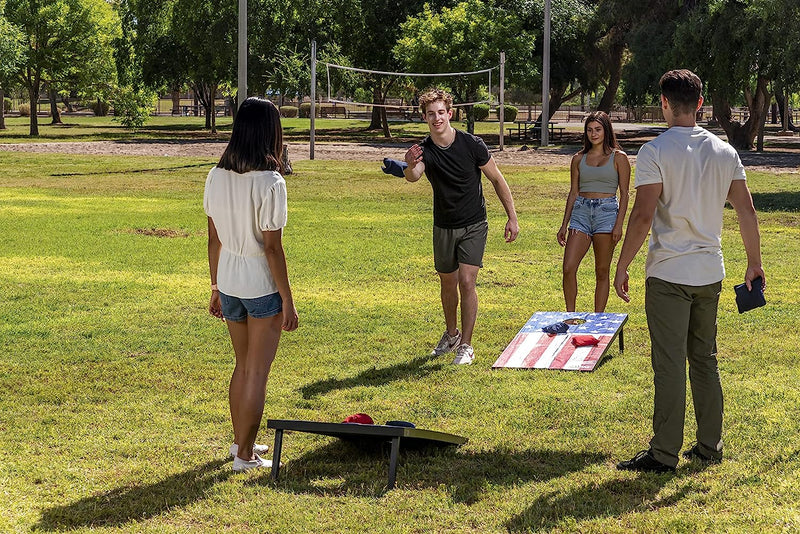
(237, 309)
(594, 215)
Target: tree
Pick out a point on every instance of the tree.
(11, 55)
(467, 37)
(739, 49)
(64, 40)
(206, 34)
(367, 31)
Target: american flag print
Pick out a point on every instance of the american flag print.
(533, 349)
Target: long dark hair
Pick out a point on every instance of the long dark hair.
(257, 139)
(609, 138)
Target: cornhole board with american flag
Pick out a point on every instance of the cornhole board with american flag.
(533, 349)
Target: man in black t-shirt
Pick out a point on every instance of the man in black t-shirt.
(453, 161)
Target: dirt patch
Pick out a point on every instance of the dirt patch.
(160, 232)
(780, 160)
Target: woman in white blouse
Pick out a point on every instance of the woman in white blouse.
(245, 200)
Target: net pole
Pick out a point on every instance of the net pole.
(502, 115)
(313, 111)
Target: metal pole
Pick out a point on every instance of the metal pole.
(313, 110)
(546, 75)
(241, 92)
(501, 115)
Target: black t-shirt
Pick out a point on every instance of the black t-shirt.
(455, 175)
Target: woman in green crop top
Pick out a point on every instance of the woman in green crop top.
(594, 214)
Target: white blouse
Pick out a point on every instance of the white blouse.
(242, 206)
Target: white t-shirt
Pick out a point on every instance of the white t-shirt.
(242, 206)
(695, 168)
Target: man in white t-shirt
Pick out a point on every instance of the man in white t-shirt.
(683, 179)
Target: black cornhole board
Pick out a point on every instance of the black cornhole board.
(411, 437)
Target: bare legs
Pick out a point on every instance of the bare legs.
(255, 343)
(460, 284)
(574, 251)
(603, 247)
(577, 245)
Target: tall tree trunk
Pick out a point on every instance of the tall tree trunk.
(558, 95)
(375, 122)
(176, 102)
(742, 135)
(214, 109)
(780, 98)
(65, 99)
(33, 96)
(470, 112)
(203, 93)
(615, 69)
(385, 124)
(55, 113)
(2, 109)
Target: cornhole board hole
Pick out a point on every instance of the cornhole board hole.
(408, 437)
(533, 349)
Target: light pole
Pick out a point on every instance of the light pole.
(241, 93)
(546, 75)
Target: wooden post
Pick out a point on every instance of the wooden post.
(501, 115)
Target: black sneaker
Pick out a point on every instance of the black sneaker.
(695, 454)
(644, 461)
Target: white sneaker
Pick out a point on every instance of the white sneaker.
(464, 355)
(447, 344)
(257, 449)
(240, 465)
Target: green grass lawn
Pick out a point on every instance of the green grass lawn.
(114, 414)
(90, 128)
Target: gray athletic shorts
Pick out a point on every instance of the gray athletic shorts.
(452, 246)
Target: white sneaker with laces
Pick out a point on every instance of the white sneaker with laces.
(447, 344)
(240, 465)
(257, 449)
(464, 355)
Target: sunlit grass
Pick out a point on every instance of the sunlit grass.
(114, 415)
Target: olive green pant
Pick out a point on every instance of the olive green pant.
(683, 325)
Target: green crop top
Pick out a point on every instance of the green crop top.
(603, 179)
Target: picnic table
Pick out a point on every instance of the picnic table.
(533, 130)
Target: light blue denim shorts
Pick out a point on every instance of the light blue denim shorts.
(594, 215)
(237, 309)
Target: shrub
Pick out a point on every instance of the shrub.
(290, 112)
(25, 110)
(305, 110)
(509, 113)
(481, 111)
(100, 108)
(132, 107)
(6, 104)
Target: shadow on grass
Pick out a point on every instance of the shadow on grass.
(785, 201)
(137, 503)
(342, 468)
(130, 171)
(373, 377)
(609, 499)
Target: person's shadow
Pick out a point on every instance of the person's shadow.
(345, 468)
(374, 377)
(609, 499)
(119, 506)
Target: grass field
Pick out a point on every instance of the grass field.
(90, 128)
(114, 415)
